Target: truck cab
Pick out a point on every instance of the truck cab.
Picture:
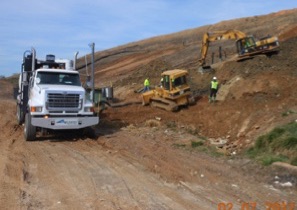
(51, 97)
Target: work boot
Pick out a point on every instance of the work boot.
(214, 99)
(209, 100)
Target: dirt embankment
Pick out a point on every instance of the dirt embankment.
(263, 86)
(252, 99)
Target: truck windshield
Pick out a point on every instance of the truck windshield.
(57, 78)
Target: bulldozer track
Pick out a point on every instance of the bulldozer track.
(164, 104)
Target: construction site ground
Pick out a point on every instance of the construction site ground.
(140, 157)
(129, 164)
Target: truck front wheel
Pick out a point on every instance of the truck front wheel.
(30, 130)
(20, 114)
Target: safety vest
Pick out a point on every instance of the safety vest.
(146, 82)
(214, 84)
(247, 44)
(166, 78)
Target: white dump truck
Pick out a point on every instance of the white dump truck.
(51, 97)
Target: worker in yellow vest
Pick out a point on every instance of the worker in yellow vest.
(214, 86)
(146, 85)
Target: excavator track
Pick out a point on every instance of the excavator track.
(164, 104)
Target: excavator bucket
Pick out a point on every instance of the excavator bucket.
(203, 69)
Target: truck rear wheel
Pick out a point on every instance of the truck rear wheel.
(30, 130)
(20, 114)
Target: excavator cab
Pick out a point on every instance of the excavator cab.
(245, 45)
(248, 47)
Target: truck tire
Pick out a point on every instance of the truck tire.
(29, 130)
(20, 114)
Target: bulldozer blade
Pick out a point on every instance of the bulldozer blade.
(164, 104)
(167, 107)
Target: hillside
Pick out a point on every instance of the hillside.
(253, 93)
(182, 49)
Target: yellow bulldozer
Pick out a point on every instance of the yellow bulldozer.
(246, 45)
(172, 93)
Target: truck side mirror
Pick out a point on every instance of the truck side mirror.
(37, 80)
(89, 82)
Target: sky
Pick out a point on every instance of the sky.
(65, 27)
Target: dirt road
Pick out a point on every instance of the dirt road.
(125, 167)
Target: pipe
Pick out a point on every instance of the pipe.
(92, 45)
(33, 58)
(75, 59)
(86, 62)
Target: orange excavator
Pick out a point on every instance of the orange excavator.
(246, 45)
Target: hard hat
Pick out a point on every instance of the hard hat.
(214, 78)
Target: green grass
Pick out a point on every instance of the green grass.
(294, 161)
(268, 159)
(287, 113)
(196, 144)
(280, 144)
(200, 146)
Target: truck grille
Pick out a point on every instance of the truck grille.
(58, 101)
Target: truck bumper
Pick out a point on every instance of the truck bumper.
(64, 123)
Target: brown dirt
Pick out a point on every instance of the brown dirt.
(141, 157)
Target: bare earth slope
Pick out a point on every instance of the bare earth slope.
(253, 95)
(182, 49)
(137, 162)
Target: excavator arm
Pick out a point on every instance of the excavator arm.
(215, 36)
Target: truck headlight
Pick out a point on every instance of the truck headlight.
(89, 109)
(36, 109)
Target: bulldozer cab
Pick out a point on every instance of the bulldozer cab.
(173, 79)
